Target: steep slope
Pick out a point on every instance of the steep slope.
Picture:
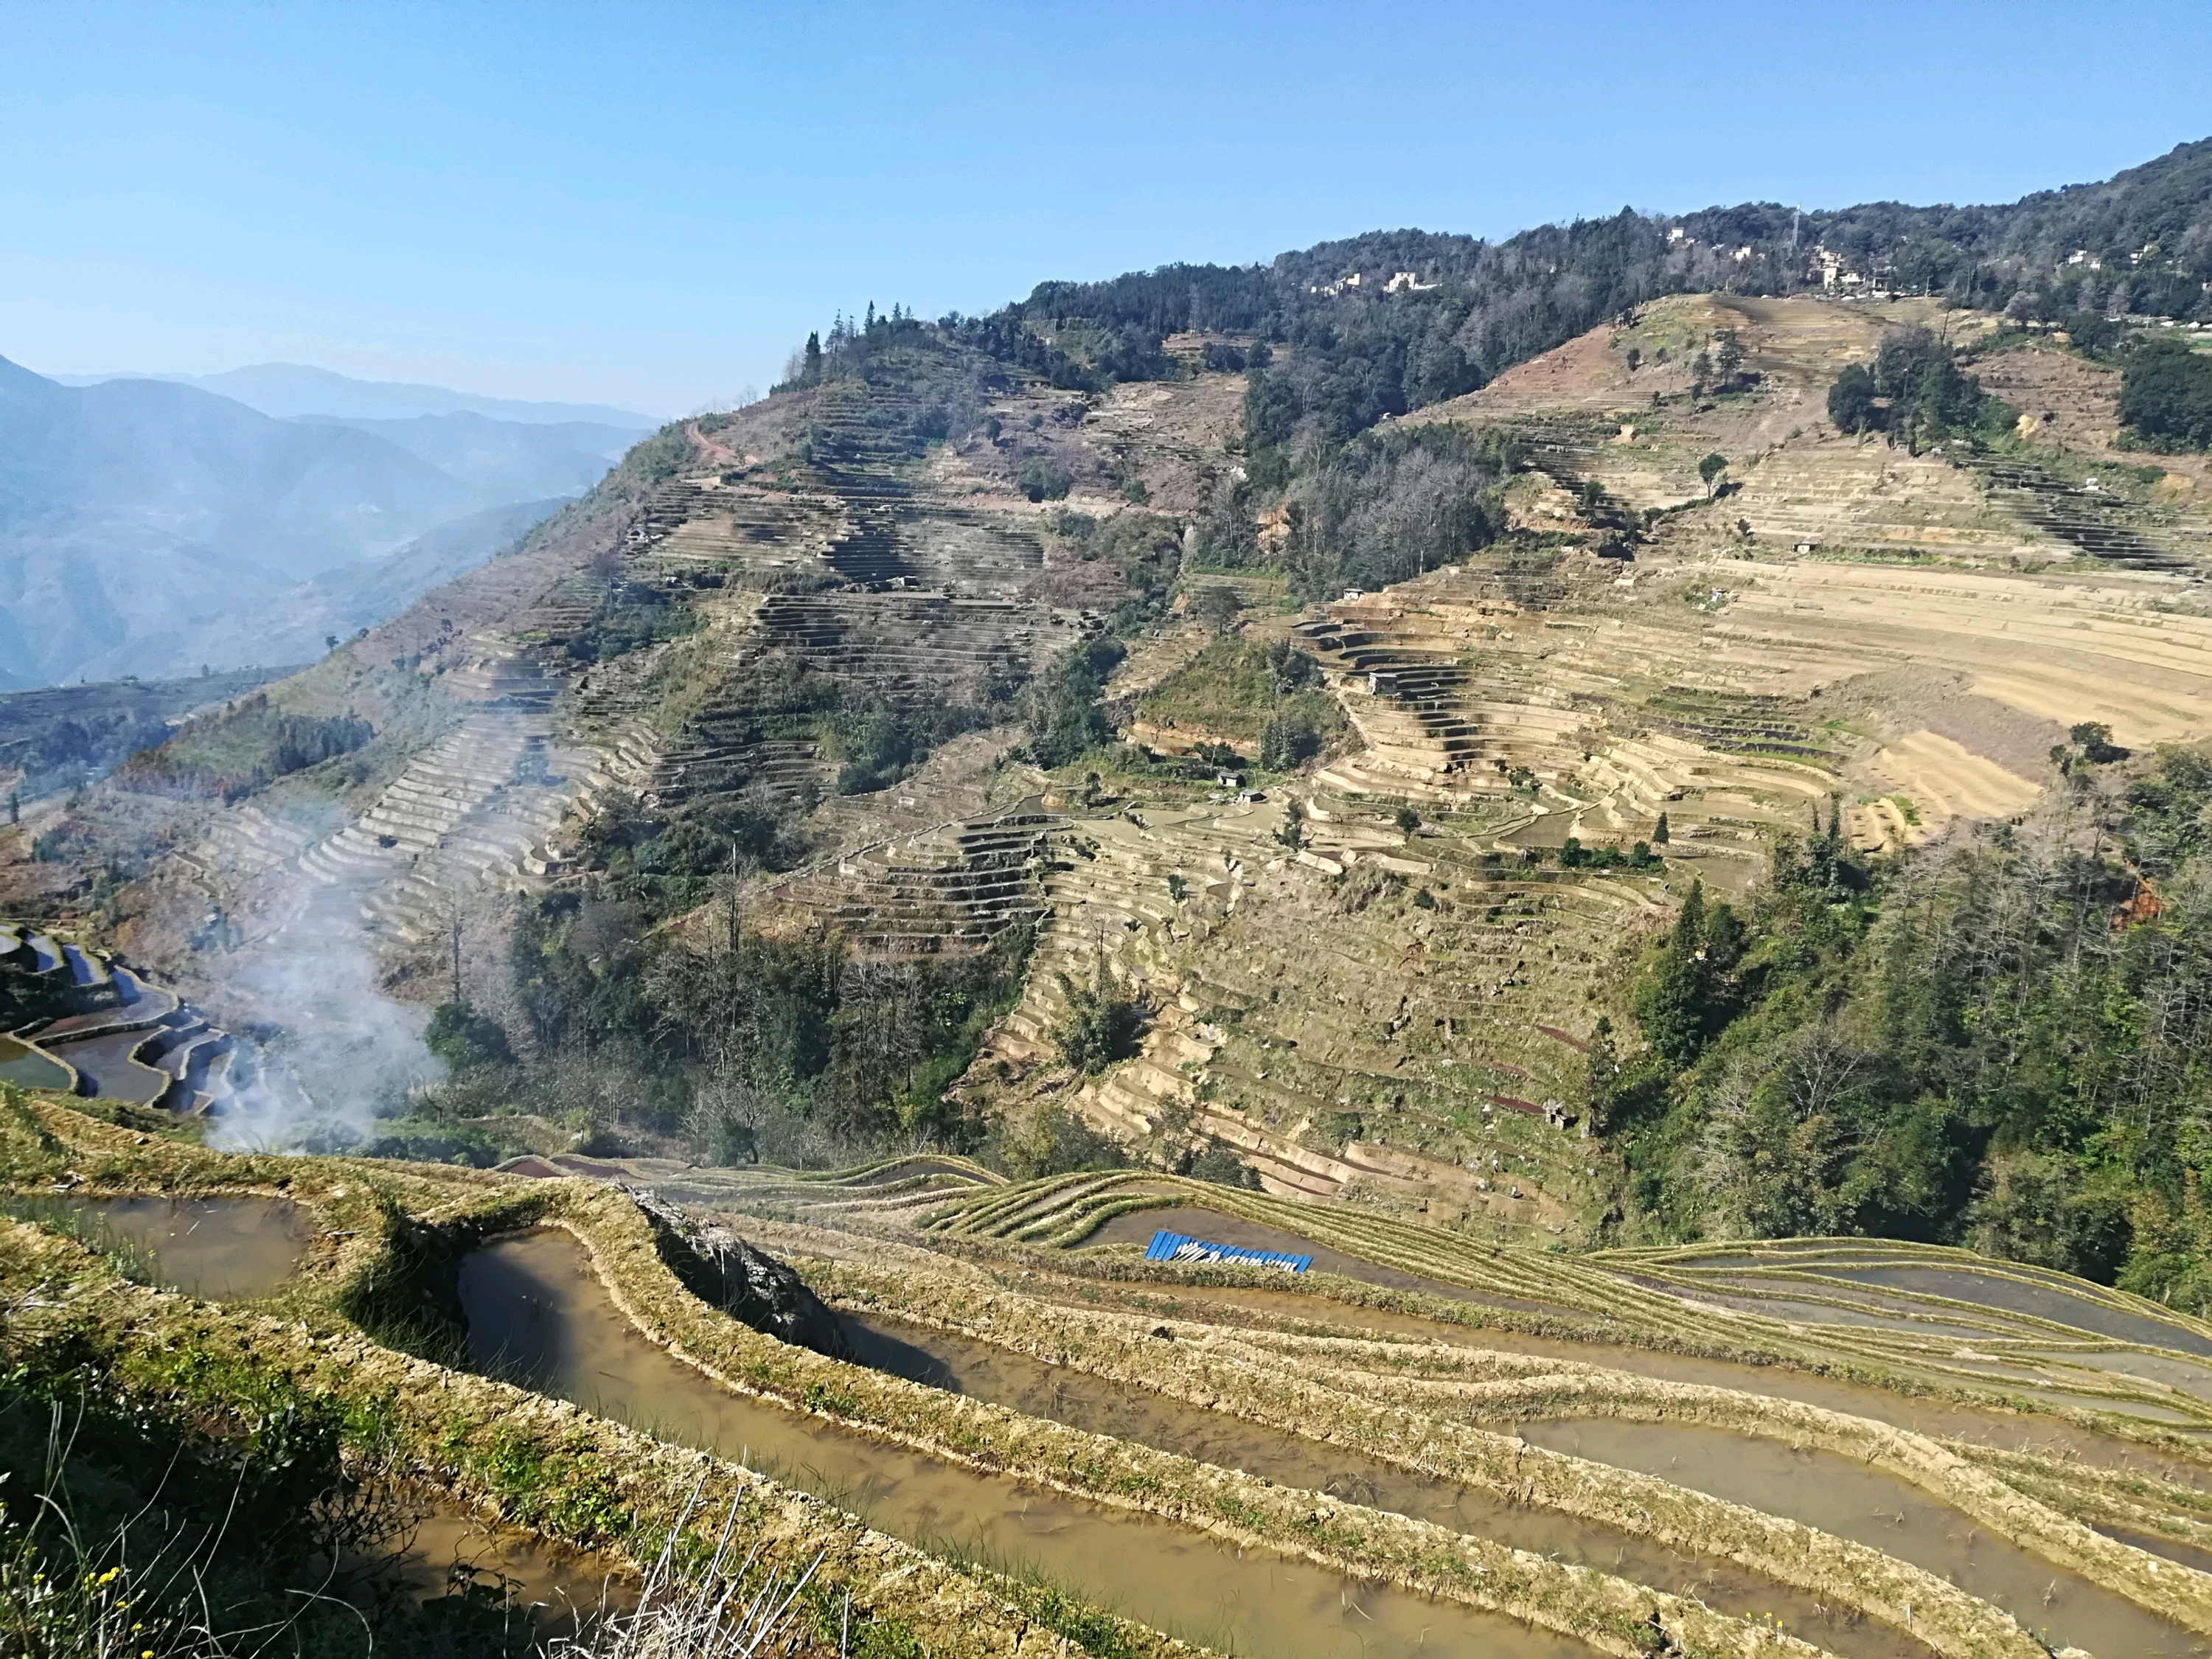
(709, 632)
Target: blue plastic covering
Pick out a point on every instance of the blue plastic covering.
(1179, 1247)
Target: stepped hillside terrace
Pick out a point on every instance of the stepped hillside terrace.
(1795, 1448)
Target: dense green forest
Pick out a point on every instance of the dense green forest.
(2166, 395)
(2007, 1044)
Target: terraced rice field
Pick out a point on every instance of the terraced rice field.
(127, 1039)
(1798, 1448)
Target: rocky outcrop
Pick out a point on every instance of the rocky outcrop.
(723, 1271)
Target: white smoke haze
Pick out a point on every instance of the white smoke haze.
(331, 1046)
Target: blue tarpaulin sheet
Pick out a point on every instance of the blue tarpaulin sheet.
(1179, 1247)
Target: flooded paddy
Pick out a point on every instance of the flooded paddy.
(451, 1548)
(24, 1066)
(109, 1066)
(220, 1249)
(1123, 1412)
(1840, 1495)
(537, 1313)
(2006, 1293)
(1258, 1307)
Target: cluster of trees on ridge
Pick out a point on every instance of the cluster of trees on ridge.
(1473, 308)
(2007, 1044)
(1381, 325)
(2166, 394)
(1914, 388)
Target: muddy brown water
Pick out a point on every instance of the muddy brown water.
(537, 1314)
(22, 1064)
(1098, 1406)
(2021, 1434)
(1840, 1496)
(220, 1249)
(1944, 1419)
(564, 1591)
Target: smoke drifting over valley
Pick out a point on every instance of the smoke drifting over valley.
(333, 1045)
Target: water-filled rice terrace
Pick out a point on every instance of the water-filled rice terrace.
(1001, 1429)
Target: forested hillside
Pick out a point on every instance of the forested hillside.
(1393, 321)
(2003, 1043)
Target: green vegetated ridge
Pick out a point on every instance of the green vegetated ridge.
(2000, 1044)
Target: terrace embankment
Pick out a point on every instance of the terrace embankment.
(1841, 1495)
(1126, 1412)
(540, 1466)
(1372, 1401)
(1415, 1424)
(538, 1313)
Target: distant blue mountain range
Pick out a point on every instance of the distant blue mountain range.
(151, 527)
(286, 390)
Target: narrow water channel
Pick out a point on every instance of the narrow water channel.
(1102, 1407)
(537, 1313)
(220, 1249)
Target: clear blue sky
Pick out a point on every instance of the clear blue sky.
(649, 204)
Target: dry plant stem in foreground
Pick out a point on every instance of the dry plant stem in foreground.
(720, 1612)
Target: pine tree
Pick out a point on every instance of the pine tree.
(1661, 835)
(1674, 1004)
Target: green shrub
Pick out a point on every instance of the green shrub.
(1044, 479)
(1100, 1025)
(236, 752)
(464, 1039)
(1218, 1165)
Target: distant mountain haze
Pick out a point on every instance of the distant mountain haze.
(150, 527)
(514, 459)
(292, 625)
(285, 390)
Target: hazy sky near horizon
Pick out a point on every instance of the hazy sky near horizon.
(649, 204)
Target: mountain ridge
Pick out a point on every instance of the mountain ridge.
(138, 519)
(284, 390)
